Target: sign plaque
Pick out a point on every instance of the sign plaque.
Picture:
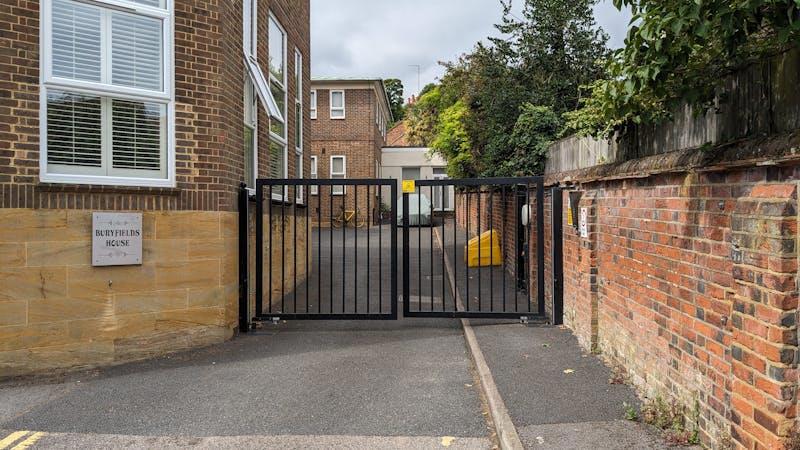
(584, 222)
(116, 239)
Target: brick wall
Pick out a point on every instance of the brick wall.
(64, 313)
(498, 212)
(356, 137)
(688, 281)
(209, 75)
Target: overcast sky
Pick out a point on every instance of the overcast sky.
(384, 38)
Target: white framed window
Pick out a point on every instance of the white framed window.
(337, 105)
(250, 134)
(108, 111)
(278, 139)
(314, 176)
(298, 101)
(338, 171)
(313, 104)
(299, 192)
(298, 117)
(250, 27)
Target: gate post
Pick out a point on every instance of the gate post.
(558, 256)
(244, 263)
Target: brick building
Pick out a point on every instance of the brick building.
(349, 125)
(158, 107)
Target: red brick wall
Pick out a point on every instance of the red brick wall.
(498, 211)
(209, 76)
(356, 137)
(689, 282)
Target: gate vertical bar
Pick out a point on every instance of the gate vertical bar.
(540, 294)
(393, 265)
(369, 229)
(406, 254)
(558, 257)
(244, 272)
(260, 248)
(355, 252)
(380, 248)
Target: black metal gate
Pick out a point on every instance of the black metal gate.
(325, 250)
(328, 249)
(473, 258)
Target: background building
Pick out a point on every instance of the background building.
(349, 121)
(402, 161)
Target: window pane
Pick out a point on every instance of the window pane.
(298, 129)
(136, 45)
(250, 104)
(249, 157)
(337, 99)
(337, 166)
(74, 129)
(137, 134)
(277, 126)
(411, 173)
(276, 160)
(76, 41)
(298, 76)
(154, 3)
(277, 59)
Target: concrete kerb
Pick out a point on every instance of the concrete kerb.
(506, 431)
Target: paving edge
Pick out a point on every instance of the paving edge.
(506, 430)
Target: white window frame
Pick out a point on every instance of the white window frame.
(165, 97)
(250, 46)
(254, 126)
(343, 108)
(313, 173)
(313, 114)
(342, 174)
(298, 101)
(281, 140)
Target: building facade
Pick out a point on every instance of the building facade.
(402, 161)
(349, 121)
(155, 107)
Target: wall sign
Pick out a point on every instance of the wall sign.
(584, 222)
(116, 239)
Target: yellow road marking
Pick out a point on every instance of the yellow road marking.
(28, 442)
(11, 438)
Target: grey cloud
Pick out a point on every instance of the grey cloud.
(380, 38)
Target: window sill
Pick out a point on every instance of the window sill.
(105, 189)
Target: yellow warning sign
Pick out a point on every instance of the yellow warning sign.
(409, 186)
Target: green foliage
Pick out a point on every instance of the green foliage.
(422, 118)
(547, 54)
(631, 413)
(535, 130)
(451, 139)
(681, 50)
(395, 92)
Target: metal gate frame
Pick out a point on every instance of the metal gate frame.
(259, 199)
(512, 182)
(246, 318)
